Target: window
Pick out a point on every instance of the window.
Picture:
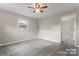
(23, 24)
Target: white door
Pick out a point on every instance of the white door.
(68, 29)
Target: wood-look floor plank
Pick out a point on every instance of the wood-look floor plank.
(35, 47)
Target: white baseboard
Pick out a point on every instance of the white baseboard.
(13, 42)
(26, 40)
(50, 40)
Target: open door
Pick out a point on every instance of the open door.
(68, 30)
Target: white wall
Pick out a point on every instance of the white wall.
(8, 28)
(49, 29)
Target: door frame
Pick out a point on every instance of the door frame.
(74, 33)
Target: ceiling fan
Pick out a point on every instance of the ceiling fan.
(38, 7)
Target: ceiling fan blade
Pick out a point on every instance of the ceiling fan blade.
(41, 11)
(34, 11)
(44, 7)
(31, 7)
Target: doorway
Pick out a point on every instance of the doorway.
(68, 30)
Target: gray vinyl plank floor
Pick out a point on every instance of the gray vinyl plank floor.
(36, 47)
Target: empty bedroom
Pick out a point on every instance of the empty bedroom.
(39, 29)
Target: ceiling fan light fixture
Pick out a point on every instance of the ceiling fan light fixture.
(37, 10)
(38, 7)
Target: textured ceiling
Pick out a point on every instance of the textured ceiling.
(53, 8)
